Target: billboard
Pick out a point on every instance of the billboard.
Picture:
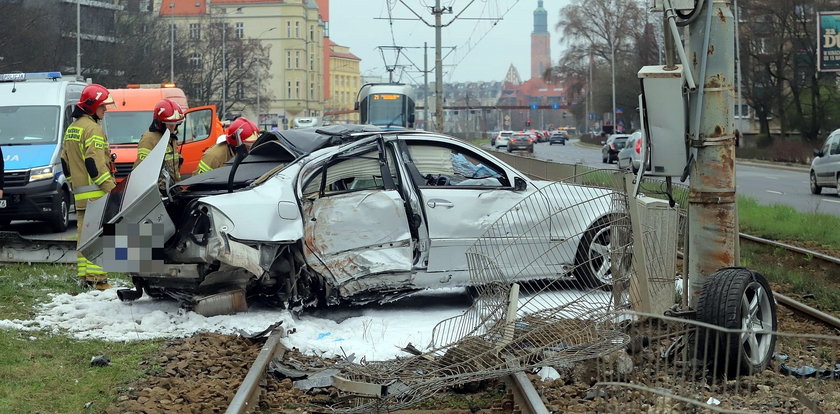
(828, 42)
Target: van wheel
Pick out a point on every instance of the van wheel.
(61, 218)
(815, 189)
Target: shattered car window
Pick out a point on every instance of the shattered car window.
(445, 166)
(354, 173)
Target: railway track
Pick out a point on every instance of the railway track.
(246, 400)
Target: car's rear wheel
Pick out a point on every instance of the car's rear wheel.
(815, 189)
(61, 216)
(837, 185)
(603, 158)
(592, 260)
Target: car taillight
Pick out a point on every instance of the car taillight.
(638, 146)
(530, 140)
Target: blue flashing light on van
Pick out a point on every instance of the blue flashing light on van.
(35, 109)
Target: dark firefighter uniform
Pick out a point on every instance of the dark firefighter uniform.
(86, 158)
(171, 161)
(214, 157)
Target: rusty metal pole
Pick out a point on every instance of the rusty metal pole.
(713, 231)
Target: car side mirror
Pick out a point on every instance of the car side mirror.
(519, 184)
(818, 153)
(355, 106)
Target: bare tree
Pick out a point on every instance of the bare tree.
(608, 30)
(204, 78)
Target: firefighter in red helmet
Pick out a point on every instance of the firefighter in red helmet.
(167, 116)
(241, 131)
(86, 161)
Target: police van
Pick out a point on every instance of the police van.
(35, 109)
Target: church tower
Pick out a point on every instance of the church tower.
(540, 43)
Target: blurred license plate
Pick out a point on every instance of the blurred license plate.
(2, 203)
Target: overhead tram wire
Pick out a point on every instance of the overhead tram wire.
(470, 48)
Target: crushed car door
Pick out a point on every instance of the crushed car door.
(464, 194)
(355, 221)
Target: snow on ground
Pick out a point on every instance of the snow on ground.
(372, 332)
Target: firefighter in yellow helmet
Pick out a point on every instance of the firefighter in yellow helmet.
(86, 161)
(240, 131)
(167, 115)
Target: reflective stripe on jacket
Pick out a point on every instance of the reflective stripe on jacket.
(83, 139)
(172, 159)
(214, 157)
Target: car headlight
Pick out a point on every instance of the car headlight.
(41, 173)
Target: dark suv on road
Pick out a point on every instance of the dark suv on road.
(613, 144)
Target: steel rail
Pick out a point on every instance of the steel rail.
(247, 397)
(807, 310)
(525, 396)
(797, 249)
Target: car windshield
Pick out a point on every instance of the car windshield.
(126, 127)
(27, 125)
(619, 142)
(506, 134)
(387, 112)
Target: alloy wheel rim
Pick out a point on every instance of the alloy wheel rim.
(756, 320)
(599, 256)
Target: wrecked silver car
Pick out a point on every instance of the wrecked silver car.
(324, 216)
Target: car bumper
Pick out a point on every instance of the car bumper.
(558, 141)
(517, 146)
(32, 201)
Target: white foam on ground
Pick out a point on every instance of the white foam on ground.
(370, 332)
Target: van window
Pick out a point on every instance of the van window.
(196, 126)
(25, 125)
(126, 127)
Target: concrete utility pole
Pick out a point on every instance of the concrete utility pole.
(172, 53)
(438, 12)
(425, 85)
(224, 71)
(712, 219)
(78, 37)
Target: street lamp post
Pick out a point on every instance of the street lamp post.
(612, 63)
(78, 37)
(224, 70)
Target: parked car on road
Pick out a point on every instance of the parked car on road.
(521, 141)
(344, 213)
(558, 138)
(630, 156)
(613, 144)
(825, 168)
(502, 139)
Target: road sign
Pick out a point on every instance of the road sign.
(534, 106)
(555, 106)
(507, 117)
(591, 116)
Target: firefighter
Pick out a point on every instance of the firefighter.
(167, 115)
(240, 131)
(86, 160)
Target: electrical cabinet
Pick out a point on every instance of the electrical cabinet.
(660, 5)
(665, 120)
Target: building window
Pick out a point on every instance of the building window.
(297, 59)
(288, 29)
(240, 30)
(311, 32)
(240, 62)
(326, 29)
(312, 62)
(240, 91)
(195, 61)
(297, 29)
(312, 90)
(195, 31)
(288, 59)
(297, 89)
(289, 89)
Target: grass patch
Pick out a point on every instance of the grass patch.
(794, 274)
(47, 373)
(778, 222)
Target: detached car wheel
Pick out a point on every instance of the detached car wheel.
(592, 261)
(737, 298)
(61, 216)
(815, 189)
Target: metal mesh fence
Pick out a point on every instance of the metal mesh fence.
(685, 366)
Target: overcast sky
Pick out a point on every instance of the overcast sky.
(353, 23)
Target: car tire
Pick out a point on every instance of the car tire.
(531, 150)
(550, 144)
(815, 189)
(5, 222)
(592, 259)
(736, 298)
(61, 218)
(603, 158)
(838, 185)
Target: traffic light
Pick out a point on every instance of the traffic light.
(528, 123)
